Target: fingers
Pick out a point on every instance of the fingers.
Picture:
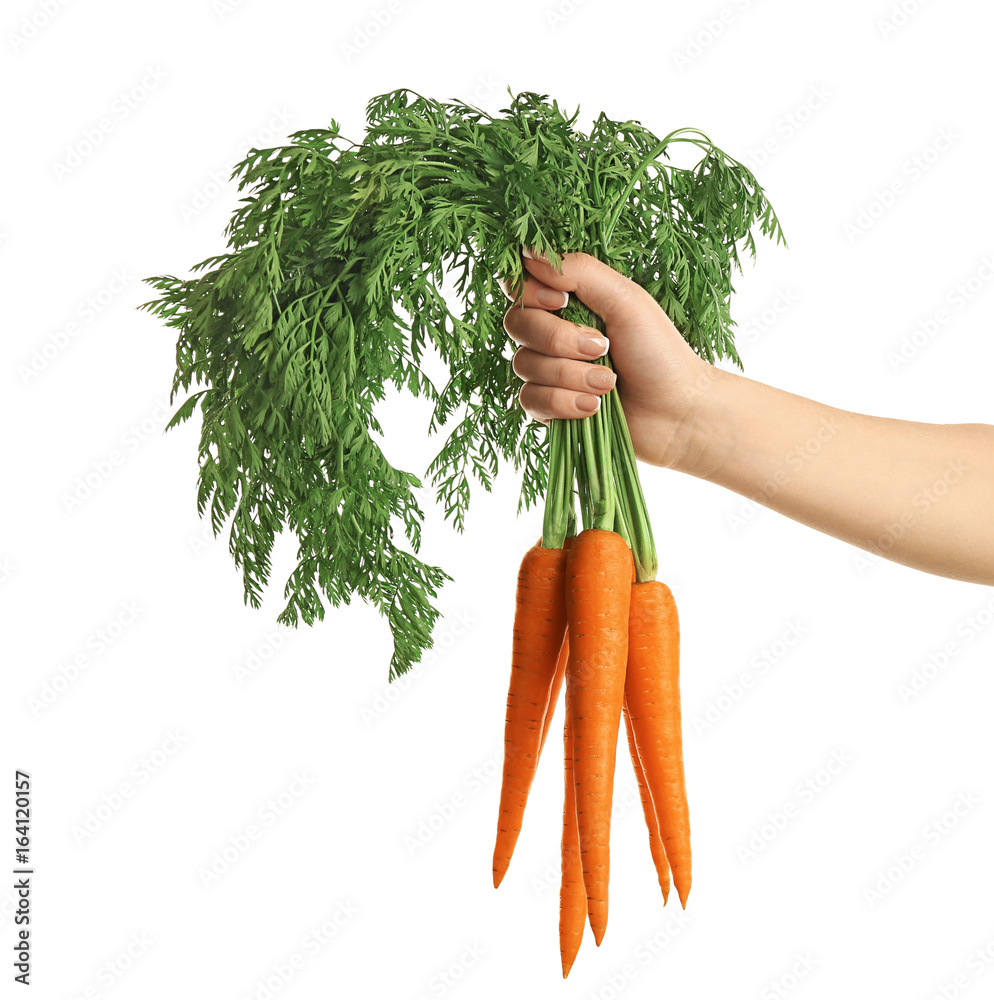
(553, 350)
(548, 334)
(546, 402)
(553, 360)
(614, 297)
(536, 294)
(577, 376)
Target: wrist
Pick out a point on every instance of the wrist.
(702, 442)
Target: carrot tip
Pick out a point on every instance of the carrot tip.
(598, 936)
(501, 865)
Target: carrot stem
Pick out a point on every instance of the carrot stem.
(629, 492)
(606, 470)
(582, 478)
(559, 495)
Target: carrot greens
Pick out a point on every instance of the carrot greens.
(348, 261)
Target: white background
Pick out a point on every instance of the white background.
(121, 908)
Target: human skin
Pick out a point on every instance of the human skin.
(916, 493)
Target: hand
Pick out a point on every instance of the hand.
(916, 493)
(659, 377)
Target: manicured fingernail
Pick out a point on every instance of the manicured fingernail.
(551, 298)
(599, 377)
(592, 345)
(525, 252)
(588, 404)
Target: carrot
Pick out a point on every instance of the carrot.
(539, 628)
(652, 691)
(648, 811)
(560, 674)
(557, 683)
(572, 895)
(656, 848)
(598, 594)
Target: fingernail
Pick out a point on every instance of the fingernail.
(592, 345)
(599, 377)
(551, 298)
(525, 252)
(588, 404)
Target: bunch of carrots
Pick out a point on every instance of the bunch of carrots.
(590, 611)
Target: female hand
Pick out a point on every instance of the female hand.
(659, 376)
(916, 493)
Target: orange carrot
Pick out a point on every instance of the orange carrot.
(572, 895)
(539, 628)
(560, 675)
(652, 691)
(557, 683)
(598, 594)
(648, 811)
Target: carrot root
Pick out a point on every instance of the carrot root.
(598, 595)
(652, 692)
(537, 654)
(572, 895)
(656, 848)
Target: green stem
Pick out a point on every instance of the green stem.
(629, 491)
(594, 458)
(593, 452)
(612, 220)
(597, 453)
(621, 525)
(559, 496)
(571, 503)
(603, 502)
(581, 474)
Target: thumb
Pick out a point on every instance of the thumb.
(618, 300)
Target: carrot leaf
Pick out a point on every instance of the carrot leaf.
(349, 262)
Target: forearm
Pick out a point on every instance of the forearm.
(920, 494)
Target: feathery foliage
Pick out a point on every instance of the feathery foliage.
(334, 286)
